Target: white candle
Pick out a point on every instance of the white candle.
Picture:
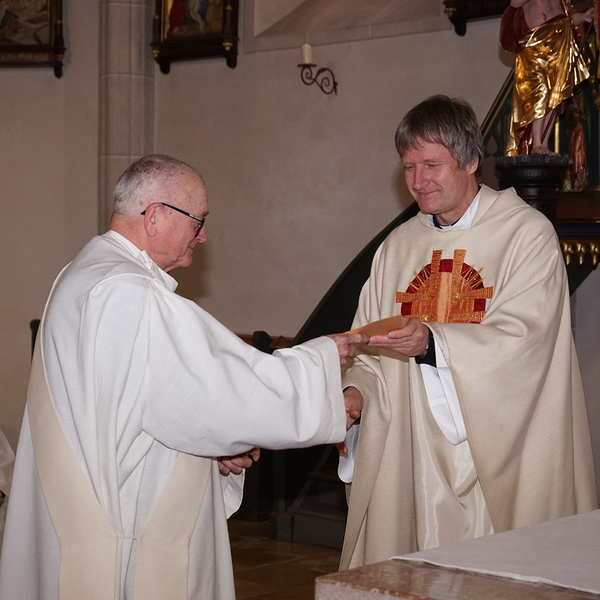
(306, 54)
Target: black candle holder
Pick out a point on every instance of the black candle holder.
(324, 77)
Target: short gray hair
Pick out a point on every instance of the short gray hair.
(450, 122)
(143, 176)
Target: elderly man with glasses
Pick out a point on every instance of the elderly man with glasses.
(136, 394)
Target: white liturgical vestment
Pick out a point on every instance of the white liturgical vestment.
(137, 375)
(7, 459)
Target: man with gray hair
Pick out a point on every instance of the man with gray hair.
(143, 410)
(474, 419)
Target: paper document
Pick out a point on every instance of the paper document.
(381, 327)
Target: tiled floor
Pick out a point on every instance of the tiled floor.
(271, 570)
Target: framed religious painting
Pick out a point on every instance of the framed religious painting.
(31, 34)
(194, 29)
(461, 11)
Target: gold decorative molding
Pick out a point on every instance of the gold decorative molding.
(579, 249)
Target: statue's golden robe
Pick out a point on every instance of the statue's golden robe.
(547, 69)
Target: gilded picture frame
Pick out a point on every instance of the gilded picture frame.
(195, 29)
(31, 34)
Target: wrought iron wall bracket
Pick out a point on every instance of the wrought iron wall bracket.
(324, 77)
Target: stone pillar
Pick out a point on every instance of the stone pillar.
(126, 92)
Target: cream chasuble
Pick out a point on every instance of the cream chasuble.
(137, 377)
(496, 299)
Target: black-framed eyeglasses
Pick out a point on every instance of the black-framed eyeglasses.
(199, 220)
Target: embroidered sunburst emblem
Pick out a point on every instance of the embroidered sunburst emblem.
(446, 291)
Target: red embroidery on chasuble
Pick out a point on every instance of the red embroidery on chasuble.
(446, 291)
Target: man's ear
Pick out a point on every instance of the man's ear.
(151, 219)
(471, 167)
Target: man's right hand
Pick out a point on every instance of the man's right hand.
(345, 344)
(354, 405)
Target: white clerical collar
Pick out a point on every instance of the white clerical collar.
(142, 256)
(465, 222)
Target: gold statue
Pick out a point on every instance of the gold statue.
(548, 66)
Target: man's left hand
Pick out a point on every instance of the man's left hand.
(236, 464)
(410, 340)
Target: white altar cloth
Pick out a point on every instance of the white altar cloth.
(565, 553)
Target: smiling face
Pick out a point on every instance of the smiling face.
(174, 236)
(436, 183)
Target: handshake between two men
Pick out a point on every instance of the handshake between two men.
(404, 335)
(346, 345)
